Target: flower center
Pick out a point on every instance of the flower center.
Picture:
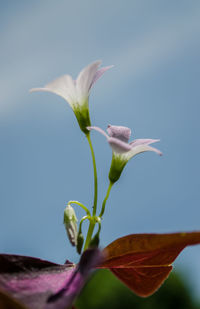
(122, 133)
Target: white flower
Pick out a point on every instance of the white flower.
(123, 151)
(76, 92)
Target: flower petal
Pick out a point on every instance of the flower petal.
(120, 132)
(85, 79)
(99, 73)
(143, 141)
(63, 86)
(98, 130)
(139, 149)
(118, 146)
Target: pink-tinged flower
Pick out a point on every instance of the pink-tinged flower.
(76, 92)
(123, 151)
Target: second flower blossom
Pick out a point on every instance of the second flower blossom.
(123, 151)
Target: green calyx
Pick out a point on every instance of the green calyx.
(82, 114)
(117, 165)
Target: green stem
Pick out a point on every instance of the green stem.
(81, 205)
(81, 222)
(105, 199)
(95, 175)
(89, 234)
(99, 229)
(92, 222)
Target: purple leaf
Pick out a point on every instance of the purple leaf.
(41, 284)
(73, 285)
(7, 302)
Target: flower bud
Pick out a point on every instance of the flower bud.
(70, 222)
(80, 240)
(94, 243)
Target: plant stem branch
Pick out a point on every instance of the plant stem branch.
(81, 205)
(92, 222)
(89, 234)
(105, 199)
(95, 174)
(81, 222)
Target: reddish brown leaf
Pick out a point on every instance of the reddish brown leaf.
(143, 261)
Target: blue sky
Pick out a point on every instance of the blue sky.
(153, 89)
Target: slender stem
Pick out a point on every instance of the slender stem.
(81, 222)
(105, 199)
(89, 234)
(95, 175)
(99, 229)
(92, 222)
(81, 205)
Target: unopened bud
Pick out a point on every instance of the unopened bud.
(80, 240)
(70, 222)
(94, 243)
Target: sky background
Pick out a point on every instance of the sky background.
(153, 89)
